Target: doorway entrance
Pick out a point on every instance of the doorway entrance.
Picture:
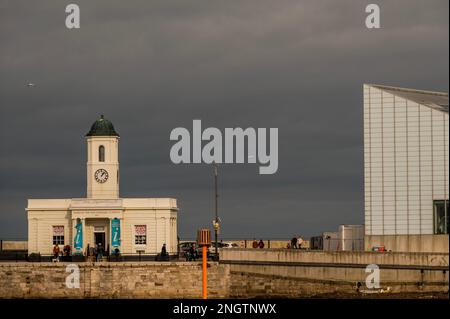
(100, 239)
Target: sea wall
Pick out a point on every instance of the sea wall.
(241, 273)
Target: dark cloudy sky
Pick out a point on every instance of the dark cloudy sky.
(151, 66)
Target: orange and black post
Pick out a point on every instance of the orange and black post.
(204, 241)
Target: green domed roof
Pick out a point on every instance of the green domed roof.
(102, 127)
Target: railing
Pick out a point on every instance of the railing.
(247, 242)
(13, 256)
(312, 243)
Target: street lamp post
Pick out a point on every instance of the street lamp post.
(216, 219)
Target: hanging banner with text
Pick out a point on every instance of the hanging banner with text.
(115, 232)
(78, 240)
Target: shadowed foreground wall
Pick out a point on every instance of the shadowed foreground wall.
(111, 280)
(241, 273)
(295, 273)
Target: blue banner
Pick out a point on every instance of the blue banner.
(115, 232)
(78, 240)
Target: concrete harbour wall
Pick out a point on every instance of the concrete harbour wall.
(409, 243)
(286, 272)
(241, 273)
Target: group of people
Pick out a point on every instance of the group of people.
(191, 254)
(57, 253)
(296, 243)
(257, 244)
(97, 251)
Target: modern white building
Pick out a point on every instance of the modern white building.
(406, 167)
(130, 224)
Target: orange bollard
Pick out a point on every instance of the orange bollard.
(204, 257)
(204, 240)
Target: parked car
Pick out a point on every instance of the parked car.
(222, 245)
(211, 249)
(230, 245)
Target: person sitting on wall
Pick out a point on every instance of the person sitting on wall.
(255, 243)
(261, 244)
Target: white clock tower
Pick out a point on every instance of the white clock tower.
(103, 160)
(132, 225)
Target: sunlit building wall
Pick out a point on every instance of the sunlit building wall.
(406, 162)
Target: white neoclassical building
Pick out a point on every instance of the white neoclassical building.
(130, 224)
(406, 167)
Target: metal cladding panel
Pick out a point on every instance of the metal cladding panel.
(405, 158)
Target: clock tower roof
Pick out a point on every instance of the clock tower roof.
(102, 127)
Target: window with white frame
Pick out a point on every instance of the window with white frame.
(58, 235)
(140, 234)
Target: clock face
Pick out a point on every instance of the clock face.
(101, 175)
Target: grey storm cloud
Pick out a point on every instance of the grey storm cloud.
(151, 66)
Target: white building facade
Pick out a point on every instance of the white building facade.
(406, 168)
(132, 225)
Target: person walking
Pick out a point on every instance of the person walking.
(56, 252)
(192, 253)
(96, 252)
(100, 252)
(92, 252)
(294, 242)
